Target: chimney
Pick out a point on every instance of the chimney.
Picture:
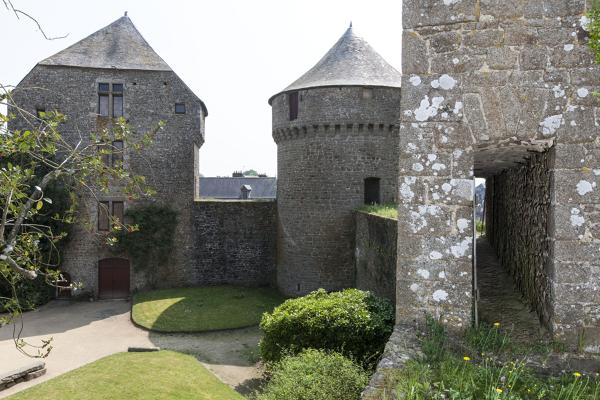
(237, 174)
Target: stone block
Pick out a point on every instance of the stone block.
(502, 58)
(484, 38)
(576, 187)
(445, 42)
(502, 9)
(35, 374)
(533, 57)
(414, 53)
(437, 12)
(570, 251)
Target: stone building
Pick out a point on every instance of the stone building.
(503, 91)
(336, 130)
(114, 72)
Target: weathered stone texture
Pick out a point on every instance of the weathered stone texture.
(375, 254)
(23, 374)
(481, 75)
(168, 165)
(342, 135)
(517, 227)
(234, 242)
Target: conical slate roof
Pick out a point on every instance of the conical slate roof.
(118, 45)
(350, 62)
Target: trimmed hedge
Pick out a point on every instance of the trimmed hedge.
(315, 375)
(352, 322)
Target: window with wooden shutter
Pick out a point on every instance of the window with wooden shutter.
(117, 211)
(103, 220)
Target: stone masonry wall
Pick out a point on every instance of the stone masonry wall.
(375, 254)
(481, 75)
(234, 242)
(517, 215)
(168, 165)
(342, 136)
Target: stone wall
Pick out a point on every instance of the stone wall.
(341, 137)
(483, 81)
(517, 226)
(168, 164)
(375, 254)
(234, 242)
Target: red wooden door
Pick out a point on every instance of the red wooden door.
(113, 278)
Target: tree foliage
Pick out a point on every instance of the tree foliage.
(41, 168)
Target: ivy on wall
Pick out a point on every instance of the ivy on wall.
(150, 242)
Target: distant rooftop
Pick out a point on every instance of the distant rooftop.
(231, 188)
(118, 45)
(350, 62)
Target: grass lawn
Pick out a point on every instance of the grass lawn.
(382, 210)
(150, 376)
(203, 309)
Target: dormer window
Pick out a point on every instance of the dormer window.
(179, 108)
(110, 99)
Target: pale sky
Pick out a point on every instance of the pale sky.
(234, 54)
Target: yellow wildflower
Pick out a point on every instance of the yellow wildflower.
(498, 390)
(467, 358)
(576, 374)
(496, 324)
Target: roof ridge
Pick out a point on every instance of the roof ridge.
(125, 49)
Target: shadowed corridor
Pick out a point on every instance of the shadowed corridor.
(499, 299)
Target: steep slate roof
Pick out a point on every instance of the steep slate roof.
(350, 62)
(230, 188)
(118, 45)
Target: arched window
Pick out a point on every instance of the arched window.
(372, 191)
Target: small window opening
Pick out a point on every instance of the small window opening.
(108, 210)
(118, 209)
(293, 102)
(372, 191)
(110, 99)
(103, 209)
(179, 108)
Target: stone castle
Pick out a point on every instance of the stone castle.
(490, 90)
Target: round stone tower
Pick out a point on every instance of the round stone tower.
(336, 130)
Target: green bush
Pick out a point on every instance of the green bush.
(30, 293)
(352, 322)
(315, 375)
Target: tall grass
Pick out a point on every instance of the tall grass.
(443, 374)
